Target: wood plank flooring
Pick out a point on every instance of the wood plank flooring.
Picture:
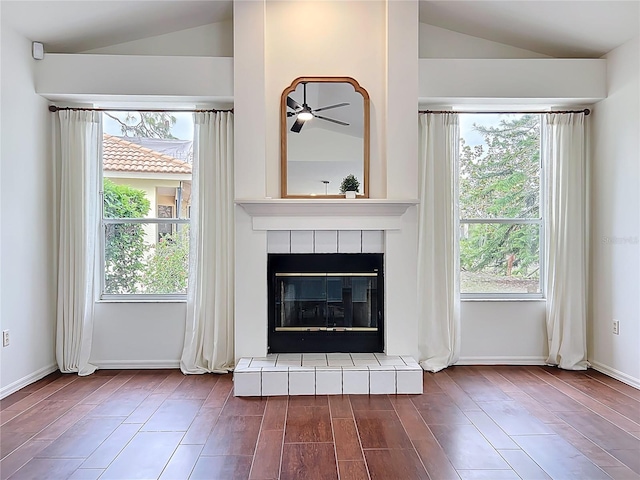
(470, 423)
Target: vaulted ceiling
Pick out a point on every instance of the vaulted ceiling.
(77, 26)
(579, 28)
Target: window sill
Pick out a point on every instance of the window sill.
(503, 299)
(142, 300)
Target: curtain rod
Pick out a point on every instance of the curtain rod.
(586, 111)
(54, 108)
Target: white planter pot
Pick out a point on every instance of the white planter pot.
(350, 194)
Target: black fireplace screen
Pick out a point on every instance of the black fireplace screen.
(325, 302)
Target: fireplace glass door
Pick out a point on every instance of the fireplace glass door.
(326, 301)
(331, 302)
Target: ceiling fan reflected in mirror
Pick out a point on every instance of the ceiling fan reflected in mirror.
(304, 112)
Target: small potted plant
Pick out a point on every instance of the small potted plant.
(349, 186)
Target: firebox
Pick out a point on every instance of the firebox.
(322, 303)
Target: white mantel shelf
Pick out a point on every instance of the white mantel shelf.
(326, 213)
(323, 207)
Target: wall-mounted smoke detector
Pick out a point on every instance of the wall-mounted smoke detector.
(37, 50)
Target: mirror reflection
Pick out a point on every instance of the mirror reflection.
(325, 136)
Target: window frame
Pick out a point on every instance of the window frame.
(540, 221)
(103, 297)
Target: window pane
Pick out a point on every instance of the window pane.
(147, 174)
(146, 164)
(499, 166)
(140, 260)
(499, 258)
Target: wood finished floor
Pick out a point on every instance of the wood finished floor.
(470, 423)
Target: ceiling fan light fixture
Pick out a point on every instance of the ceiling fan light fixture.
(305, 115)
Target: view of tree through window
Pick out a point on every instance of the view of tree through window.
(146, 202)
(499, 195)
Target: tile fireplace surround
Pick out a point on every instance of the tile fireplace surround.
(334, 226)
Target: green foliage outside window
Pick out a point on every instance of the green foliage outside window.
(501, 180)
(131, 265)
(124, 243)
(167, 269)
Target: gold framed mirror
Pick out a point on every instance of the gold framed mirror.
(324, 137)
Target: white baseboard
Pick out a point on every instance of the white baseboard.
(617, 374)
(135, 364)
(501, 361)
(28, 380)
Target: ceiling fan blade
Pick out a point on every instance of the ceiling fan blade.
(291, 103)
(331, 106)
(331, 120)
(297, 126)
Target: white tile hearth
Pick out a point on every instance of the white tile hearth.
(302, 381)
(382, 380)
(364, 355)
(274, 382)
(340, 362)
(247, 383)
(326, 374)
(407, 379)
(355, 381)
(328, 381)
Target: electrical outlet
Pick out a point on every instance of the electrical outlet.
(616, 327)
(5, 338)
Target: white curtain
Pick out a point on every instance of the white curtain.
(438, 272)
(78, 212)
(566, 239)
(209, 336)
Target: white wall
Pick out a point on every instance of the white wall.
(27, 308)
(213, 40)
(138, 335)
(502, 332)
(401, 175)
(347, 39)
(540, 81)
(615, 219)
(95, 78)
(250, 309)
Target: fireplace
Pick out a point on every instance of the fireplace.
(323, 303)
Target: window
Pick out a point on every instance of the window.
(146, 202)
(500, 206)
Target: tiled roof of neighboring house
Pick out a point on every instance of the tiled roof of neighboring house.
(119, 155)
